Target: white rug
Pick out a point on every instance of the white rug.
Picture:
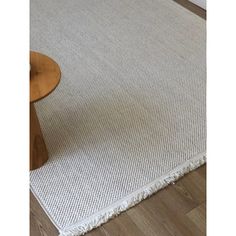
(129, 114)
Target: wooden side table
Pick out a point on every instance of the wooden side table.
(45, 75)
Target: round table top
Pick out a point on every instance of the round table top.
(45, 75)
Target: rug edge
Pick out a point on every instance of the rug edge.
(134, 198)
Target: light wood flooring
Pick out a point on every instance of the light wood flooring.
(177, 210)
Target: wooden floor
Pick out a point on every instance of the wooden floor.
(193, 8)
(177, 210)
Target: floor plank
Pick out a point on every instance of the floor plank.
(147, 222)
(38, 217)
(174, 221)
(36, 228)
(198, 216)
(195, 185)
(122, 225)
(193, 8)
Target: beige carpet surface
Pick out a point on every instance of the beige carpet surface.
(129, 114)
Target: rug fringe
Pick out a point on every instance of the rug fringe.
(133, 199)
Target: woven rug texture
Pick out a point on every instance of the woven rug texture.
(128, 116)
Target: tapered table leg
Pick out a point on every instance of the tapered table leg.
(45, 75)
(38, 149)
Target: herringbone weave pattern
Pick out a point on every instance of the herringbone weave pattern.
(130, 106)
